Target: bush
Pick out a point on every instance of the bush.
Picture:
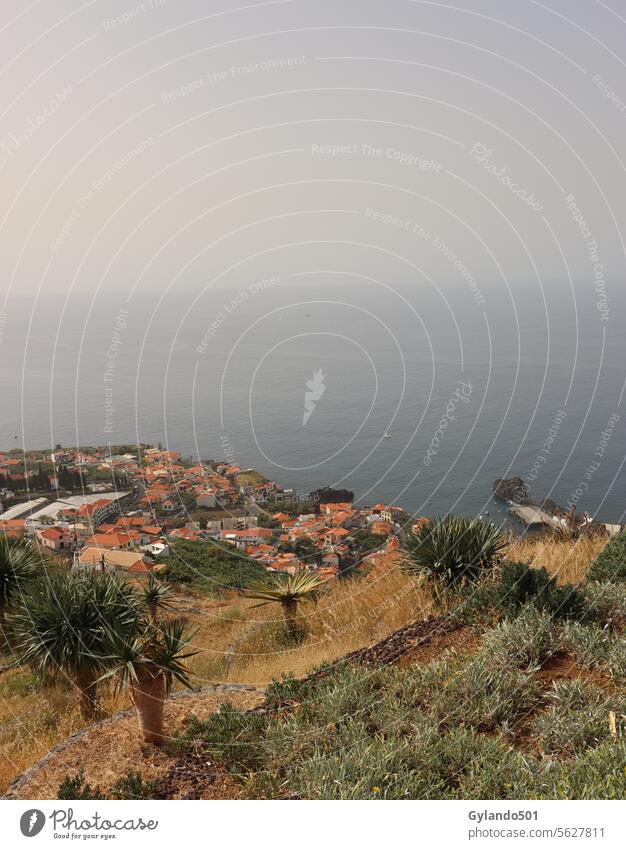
(598, 774)
(73, 789)
(576, 719)
(475, 766)
(482, 697)
(610, 564)
(132, 786)
(593, 646)
(209, 567)
(525, 642)
(285, 692)
(520, 585)
(233, 737)
(455, 549)
(606, 602)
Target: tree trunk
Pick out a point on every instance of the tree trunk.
(88, 696)
(148, 692)
(290, 612)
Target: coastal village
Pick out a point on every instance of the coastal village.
(122, 512)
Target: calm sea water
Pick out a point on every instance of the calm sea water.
(467, 392)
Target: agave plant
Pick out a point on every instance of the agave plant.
(147, 661)
(455, 549)
(60, 629)
(19, 563)
(288, 591)
(156, 596)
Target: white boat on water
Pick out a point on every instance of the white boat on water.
(387, 436)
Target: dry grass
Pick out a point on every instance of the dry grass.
(109, 751)
(34, 718)
(352, 614)
(567, 560)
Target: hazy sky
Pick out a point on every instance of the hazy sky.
(182, 180)
(189, 144)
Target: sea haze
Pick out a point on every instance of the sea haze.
(468, 387)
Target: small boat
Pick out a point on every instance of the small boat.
(387, 436)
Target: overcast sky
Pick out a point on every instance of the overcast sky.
(189, 144)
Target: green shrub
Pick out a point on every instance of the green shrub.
(231, 736)
(525, 642)
(610, 564)
(75, 788)
(209, 567)
(371, 768)
(576, 719)
(606, 602)
(455, 549)
(132, 786)
(286, 691)
(597, 774)
(521, 585)
(475, 766)
(481, 695)
(593, 646)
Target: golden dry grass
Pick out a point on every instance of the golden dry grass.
(109, 751)
(352, 614)
(34, 718)
(567, 560)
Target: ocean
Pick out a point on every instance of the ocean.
(413, 395)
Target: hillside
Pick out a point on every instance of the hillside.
(512, 708)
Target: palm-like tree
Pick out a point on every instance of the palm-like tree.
(61, 625)
(19, 564)
(147, 662)
(288, 591)
(455, 549)
(156, 596)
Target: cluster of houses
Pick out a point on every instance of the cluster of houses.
(169, 499)
(323, 540)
